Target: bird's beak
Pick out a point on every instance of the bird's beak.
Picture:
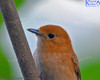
(37, 32)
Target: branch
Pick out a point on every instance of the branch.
(18, 40)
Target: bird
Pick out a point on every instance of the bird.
(54, 56)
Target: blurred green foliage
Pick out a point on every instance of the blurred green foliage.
(91, 71)
(1, 19)
(5, 68)
(18, 3)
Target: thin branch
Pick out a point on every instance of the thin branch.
(18, 40)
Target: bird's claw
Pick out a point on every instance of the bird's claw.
(41, 76)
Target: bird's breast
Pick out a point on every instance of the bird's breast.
(57, 65)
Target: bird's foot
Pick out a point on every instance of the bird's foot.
(41, 76)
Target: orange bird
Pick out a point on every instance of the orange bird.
(54, 56)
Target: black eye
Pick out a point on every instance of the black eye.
(51, 35)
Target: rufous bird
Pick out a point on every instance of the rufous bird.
(54, 56)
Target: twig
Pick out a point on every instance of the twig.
(18, 40)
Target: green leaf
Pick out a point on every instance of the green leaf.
(18, 3)
(91, 71)
(5, 68)
(1, 19)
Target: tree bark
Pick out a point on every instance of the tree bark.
(18, 40)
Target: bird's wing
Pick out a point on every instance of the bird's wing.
(76, 66)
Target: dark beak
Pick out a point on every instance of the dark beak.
(37, 32)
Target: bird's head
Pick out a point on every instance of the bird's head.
(52, 37)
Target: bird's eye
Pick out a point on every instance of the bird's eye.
(51, 35)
